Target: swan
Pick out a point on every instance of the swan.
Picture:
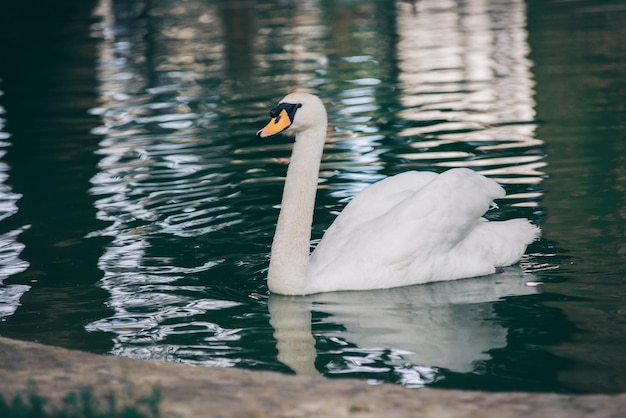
(411, 228)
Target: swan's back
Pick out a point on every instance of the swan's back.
(380, 197)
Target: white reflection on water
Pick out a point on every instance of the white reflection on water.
(10, 247)
(465, 66)
(155, 180)
(411, 331)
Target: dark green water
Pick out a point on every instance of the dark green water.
(137, 207)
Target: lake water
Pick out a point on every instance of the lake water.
(137, 207)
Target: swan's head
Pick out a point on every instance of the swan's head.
(296, 112)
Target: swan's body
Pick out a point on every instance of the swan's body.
(415, 227)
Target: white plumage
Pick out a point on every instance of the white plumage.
(415, 227)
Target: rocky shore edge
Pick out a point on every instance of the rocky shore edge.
(194, 391)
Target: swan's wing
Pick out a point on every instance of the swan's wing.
(415, 200)
(371, 203)
(378, 198)
(417, 233)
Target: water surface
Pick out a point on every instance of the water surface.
(137, 206)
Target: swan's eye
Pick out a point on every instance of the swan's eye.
(290, 108)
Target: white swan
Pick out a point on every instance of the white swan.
(415, 227)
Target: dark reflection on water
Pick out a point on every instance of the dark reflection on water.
(47, 83)
(581, 95)
(144, 229)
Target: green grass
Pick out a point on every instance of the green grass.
(80, 405)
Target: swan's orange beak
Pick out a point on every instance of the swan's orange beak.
(282, 116)
(276, 125)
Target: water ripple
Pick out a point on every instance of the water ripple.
(190, 195)
(10, 247)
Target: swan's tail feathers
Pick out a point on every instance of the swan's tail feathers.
(518, 233)
(502, 242)
(532, 232)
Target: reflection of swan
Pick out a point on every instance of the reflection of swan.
(438, 325)
(291, 319)
(407, 229)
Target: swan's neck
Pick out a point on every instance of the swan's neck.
(290, 249)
